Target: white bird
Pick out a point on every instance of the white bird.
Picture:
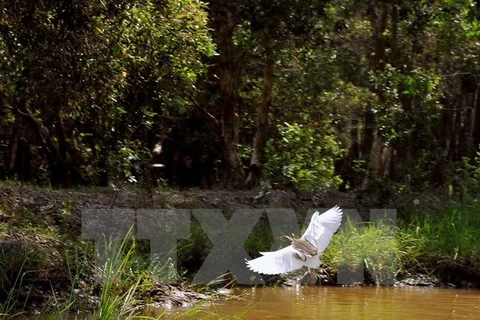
(304, 251)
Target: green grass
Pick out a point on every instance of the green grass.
(62, 268)
(441, 242)
(117, 299)
(120, 284)
(374, 246)
(446, 238)
(10, 305)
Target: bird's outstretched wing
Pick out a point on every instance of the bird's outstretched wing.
(322, 227)
(276, 262)
(319, 233)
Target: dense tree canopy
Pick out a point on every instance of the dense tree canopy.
(313, 94)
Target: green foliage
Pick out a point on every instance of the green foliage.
(146, 42)
(192, 251)
(438, 241)
(446, 238)
(304, 155)
(88, 88)
(466, 178)
(260, 239)
(114, 71)
(117, 297)
(397, 123)
(374, 246)
(10, 297)
(158, 65)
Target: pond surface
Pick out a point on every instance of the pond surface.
(340, 303)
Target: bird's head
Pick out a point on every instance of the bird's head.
(285, 239)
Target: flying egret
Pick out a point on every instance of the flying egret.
(304, 251)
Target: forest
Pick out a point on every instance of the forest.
(226, 105)
(310, 95)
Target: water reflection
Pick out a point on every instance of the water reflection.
(343, 303)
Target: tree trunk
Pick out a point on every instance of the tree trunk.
(13, 144)
(394, 45)
(380, 26)
(475, 126)
(62, 174)
(460, 134)
(42, 134)
(373, 141)
(345, 165)
(369, 133)
(228, 74)
(446, 132)
(262, 117)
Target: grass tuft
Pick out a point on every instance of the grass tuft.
(373, 245)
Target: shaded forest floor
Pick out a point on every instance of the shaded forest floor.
(46, 262)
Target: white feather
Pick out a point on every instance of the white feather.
(319, 233)
(322, 227)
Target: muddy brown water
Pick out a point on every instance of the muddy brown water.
(339, 303)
